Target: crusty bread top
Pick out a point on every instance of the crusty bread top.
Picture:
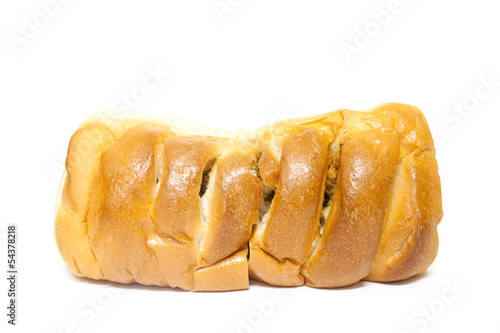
(325, 200)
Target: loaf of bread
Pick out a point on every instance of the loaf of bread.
(323, 201)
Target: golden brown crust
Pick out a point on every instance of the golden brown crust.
(409, 240)
(230, 273)
(82, 161)
(348, 196)
(234, 207)
(265, 268)
(350, 236)
(299, 194)
(292, 222)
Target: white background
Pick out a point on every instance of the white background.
(257, 62)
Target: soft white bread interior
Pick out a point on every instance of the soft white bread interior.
(324, 201)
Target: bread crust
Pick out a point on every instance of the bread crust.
(324, 201)
(292, 223)
(351, 232)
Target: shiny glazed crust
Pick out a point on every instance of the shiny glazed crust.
(324, 201)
